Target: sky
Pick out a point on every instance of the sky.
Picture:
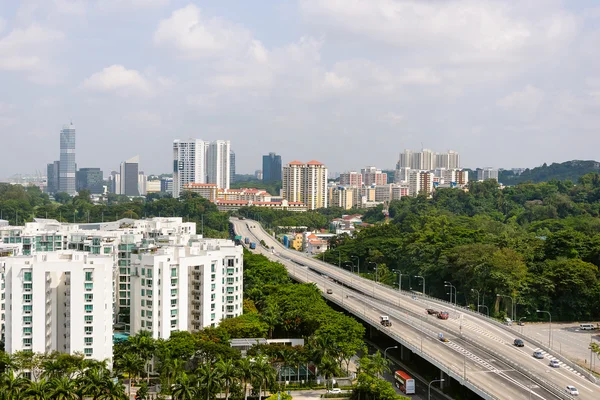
(347, 82)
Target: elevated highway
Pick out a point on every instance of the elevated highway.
(480, 352)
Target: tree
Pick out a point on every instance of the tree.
(37, 390)
(63, 388)
(184, 389)
(13, 385)
(228, 372)
(132, 364)
(246, 373)
(210, 379)
(144, 344)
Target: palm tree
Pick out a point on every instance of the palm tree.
(264, 372)
(37, 390)
(328, 366)
(209, 378)
(170, 368)
(132, 364)
(271, 316)
(93, 381)
(228, 372)
(144, 344)
(13, 385)
(6, 362)
(52, 369)
(63, 388)
(246, 372)
(113, 391)
(184, 389)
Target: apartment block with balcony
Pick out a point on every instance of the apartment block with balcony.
(306, 183)
(187, 287)
(61, 301)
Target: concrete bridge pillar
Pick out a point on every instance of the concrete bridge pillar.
(442, 377)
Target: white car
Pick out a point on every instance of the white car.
(335, 390)
(572, 390)
(554, 364)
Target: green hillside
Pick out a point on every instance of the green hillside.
(569, 170)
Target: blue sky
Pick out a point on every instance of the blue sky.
(347, 82)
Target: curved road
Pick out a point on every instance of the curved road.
(479, 352)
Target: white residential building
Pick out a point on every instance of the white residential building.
(218, 163)
(61, 301)
(420, 182)
(484, 174)
(187, 287)
(189, 163)
(427, 160)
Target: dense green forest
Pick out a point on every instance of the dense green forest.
(569, 170)
(19, 205)
(538, 243)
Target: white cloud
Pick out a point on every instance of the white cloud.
(335, 81)
(124, 4)
(72, 7)
(194, 35)
(527, 100)
(120, 80)
(419, 76)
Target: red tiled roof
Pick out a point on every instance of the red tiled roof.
(314, 162)
(295, 163)
(220, 201)
(191, 184)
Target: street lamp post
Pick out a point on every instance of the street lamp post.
(385, 351)
(475, 290)
(429, 388)
(486, 307)
(451, 286)
(357, 264)
(512, 310)
(399, 279)
(422, 277)
(550, 330)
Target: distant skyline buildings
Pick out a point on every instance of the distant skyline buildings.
(428, 160)
(271, 167)
(305, 183)
(67, 166)
(129, 174)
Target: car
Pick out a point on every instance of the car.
(335, 391)
(329, 291)
(554, 364)
(572, 390)
(538, 354)
(518, 343)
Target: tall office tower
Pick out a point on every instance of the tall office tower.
(271, 167)
(52, 177)
(58, 301)
(67, 167)
(351, 178)
(231, 166)
(129, 177)
(218, 163)
(189, 163)
(373, 176)
(114, 182)
(142, 180)
(166, 185)
(90, 179)
(306, 183)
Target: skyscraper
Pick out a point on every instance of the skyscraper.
(271, 167)
(129, 177)
(305, 183)
(231, 166)
(91, 179)
(66, 174)
(218, 163)
(52, 177)
(189, 163)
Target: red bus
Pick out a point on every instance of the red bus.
(404, 382)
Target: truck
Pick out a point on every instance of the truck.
(247, 240)
(431, 311)
(252, 245)
(443, 315)
(385, 320)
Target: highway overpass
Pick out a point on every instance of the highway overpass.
(480, 353)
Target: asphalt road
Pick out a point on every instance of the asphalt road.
(478, 350)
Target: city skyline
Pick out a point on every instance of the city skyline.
(493, 91)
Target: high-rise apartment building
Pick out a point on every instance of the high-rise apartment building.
(91, 179)
(306, 183)
(427, 160)
(218, 163)
(373, 176)
(189, 163)
(67, 167)
(484, 174)
(52, 173)
(420, 182)
(231, 166)
(271, 167)
(351, 178)
(60, 301)
(129, 177)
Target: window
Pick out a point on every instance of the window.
(88, 275)
(149, 274)
(173, 323)
(89, 308)
(27, 331)
(27, 287)
(27, 342)
(173, 313)
(89, 319)
(173, 302)
(89, 330)
(26, 298)
(173, 292)
(27, 320)
(174, 272)
(149, 314)
(88, 286)
(27, 309)
(27, 276)
(89, 298)
(149, 292)
(143, 281)
(143, 292)
(173, 282)
(87, 351)
(143, 313)
(212, 316)
(143, 302)
(213, 268)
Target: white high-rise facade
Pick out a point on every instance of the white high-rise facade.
(60, 301)
(198, 161)
(427, 160)
(187, 288)
(218, 163)
(189, 163)
(306, 183)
